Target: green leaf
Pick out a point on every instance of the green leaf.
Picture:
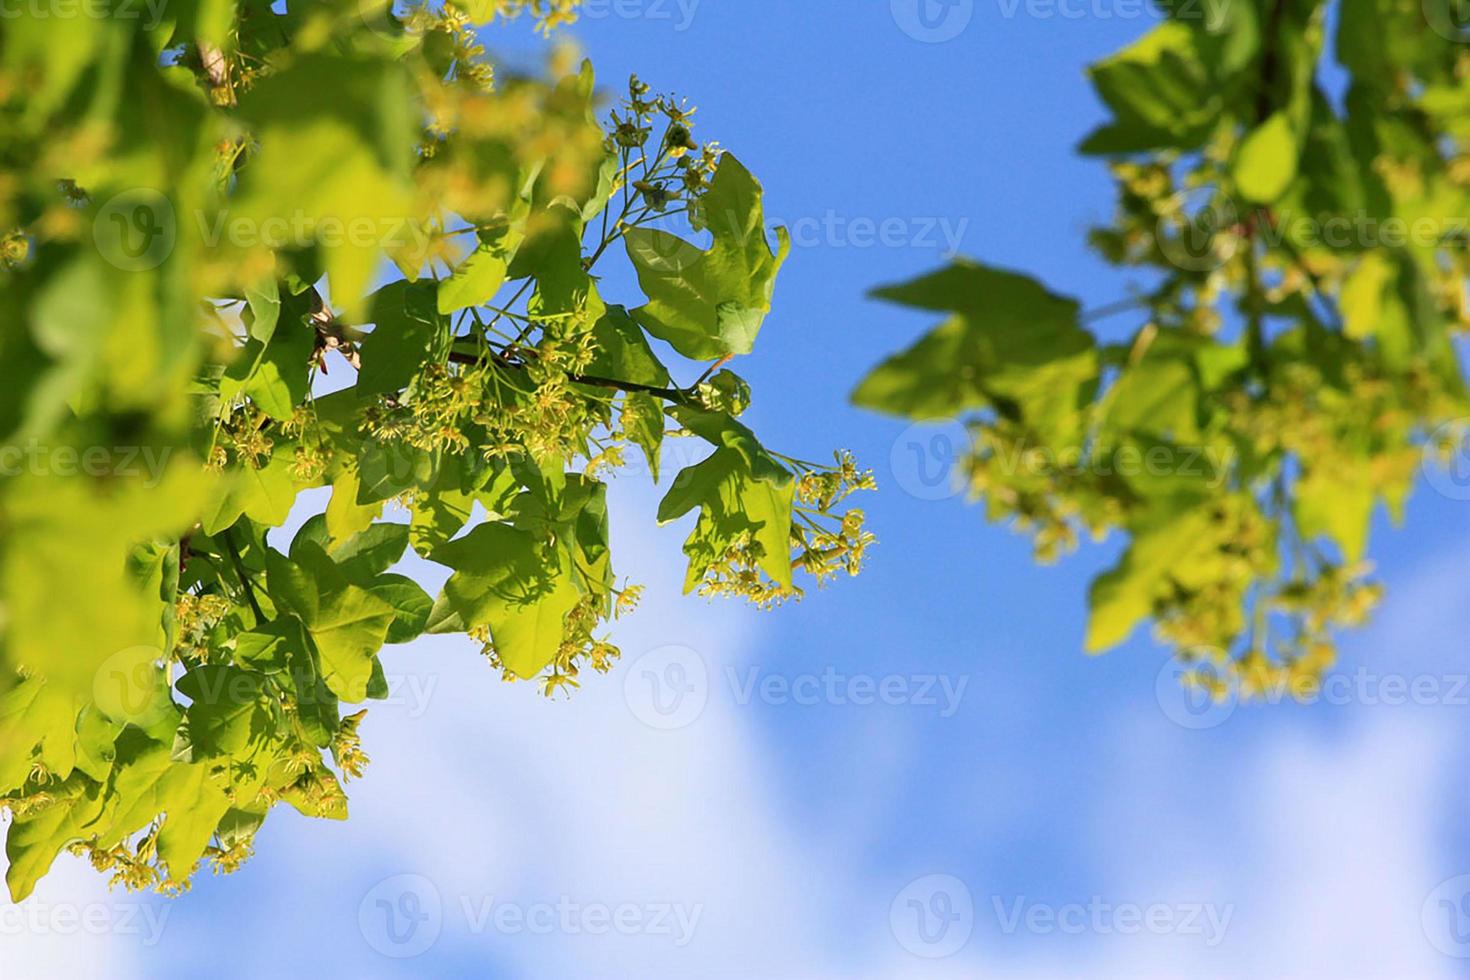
(335, 140)
(344, 516)
(733, 504)
(138, 769)
(77, 532)
(264, 302)
(1160, 92)
(724, 432)
(362, 557)
(275, 373)
(1266, 162)
(707, 304)
(283, 649)
(410, 603)
(552, 255)
(407, 330)
(34, 841)
(1158, 396)
(386, 469)
(264, 495)
(477, 278)
(1009, 345)
(623, 352)
(1122, 598)
(444, 511)
(1337, 503)
(504, 579)
(96, 738)
(33, 717)
(226, 710)
(643, 422)
(348, 624)
(195, 805)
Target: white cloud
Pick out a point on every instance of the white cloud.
(1321, 837)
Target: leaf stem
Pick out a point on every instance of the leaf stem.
(239, 565)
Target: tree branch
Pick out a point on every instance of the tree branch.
(235, 560)
(676, 395)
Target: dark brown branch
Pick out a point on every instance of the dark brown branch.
(239, 564)
(676, 395)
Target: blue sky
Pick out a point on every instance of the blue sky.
(1057, 797)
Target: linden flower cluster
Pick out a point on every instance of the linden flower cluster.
(453, 46)
(680, 168)
(347, 746)
(1292, 667)
(737, 574)
(1342, 409)
(136, 866)
(15, 248)
(316, 790)
(133, 865)
(526, 407)
(244, 432)
(1039, 492)
(432, 416)
(198, 618)
(550, 418)
(823, 542)
(578, 649)
(548, 14)
(1211, 610)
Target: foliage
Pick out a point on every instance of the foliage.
(1294, 226)
(199, 213)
